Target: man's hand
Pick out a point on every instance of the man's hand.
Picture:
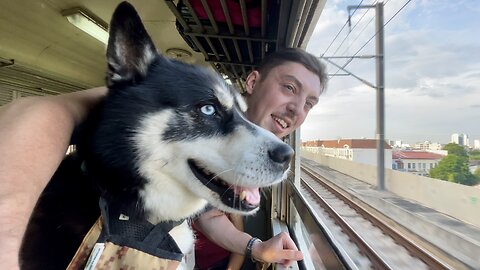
(279, 249)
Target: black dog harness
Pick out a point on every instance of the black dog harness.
(121, 240)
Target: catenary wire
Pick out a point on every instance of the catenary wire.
(336, 36)
(368, 41)
(351, 29)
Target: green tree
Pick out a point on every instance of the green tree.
(455, 149)
(477, 174)
(454, 168)
(474, 155)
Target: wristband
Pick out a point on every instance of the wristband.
(248, 249)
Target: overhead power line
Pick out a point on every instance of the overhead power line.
(353, 28)
(359, 34)
(336, 36)
(370, 39)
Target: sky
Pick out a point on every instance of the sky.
(432, 71)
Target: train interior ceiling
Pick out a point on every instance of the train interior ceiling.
(42, 53)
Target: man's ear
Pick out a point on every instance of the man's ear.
(252, 79)
(130, 49)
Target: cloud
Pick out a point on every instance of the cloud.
(455, 87)
(432, 73)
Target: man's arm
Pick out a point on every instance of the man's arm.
(236, 259)
(34, 135)
(218, 228)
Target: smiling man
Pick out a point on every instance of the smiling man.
(279, 96)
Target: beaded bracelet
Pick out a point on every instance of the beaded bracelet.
(248, 249)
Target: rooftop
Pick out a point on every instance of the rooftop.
(351, 143)
(415, 155)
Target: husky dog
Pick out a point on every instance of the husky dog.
(168, 139)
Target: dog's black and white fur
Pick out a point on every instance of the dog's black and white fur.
(169, 136)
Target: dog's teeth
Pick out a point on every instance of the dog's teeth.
(243, 195)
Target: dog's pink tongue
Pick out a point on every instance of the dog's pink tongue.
(252, 195)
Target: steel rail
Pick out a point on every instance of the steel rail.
(364, 248)
(413, 249)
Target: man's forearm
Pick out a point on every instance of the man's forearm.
(34, 135)
(28, 162)
(218, 228)
(235, 262)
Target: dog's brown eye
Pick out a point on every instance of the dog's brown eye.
(208, 109)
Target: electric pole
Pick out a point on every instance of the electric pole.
(380, 85)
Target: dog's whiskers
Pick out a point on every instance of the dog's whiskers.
(218, 175)
(238, 182)
(230, 186)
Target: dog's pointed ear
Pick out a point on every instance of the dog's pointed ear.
(130, 49)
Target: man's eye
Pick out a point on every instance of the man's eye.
(309, 105)
(290, 88)
(208, 109)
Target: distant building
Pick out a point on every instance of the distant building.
(439, 152)
(422, 145)
(398, 143)
(460, 139)
(405, 146)
(417, 162)
(476, 144)
(428, 145)
(435, 146)
(357, 150)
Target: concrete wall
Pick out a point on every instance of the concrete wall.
(459, 201)
(369, 156)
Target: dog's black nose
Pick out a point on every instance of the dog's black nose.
(282, 154)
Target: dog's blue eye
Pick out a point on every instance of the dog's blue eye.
(208, 109)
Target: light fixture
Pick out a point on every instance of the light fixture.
(179, 54)
(87, 22)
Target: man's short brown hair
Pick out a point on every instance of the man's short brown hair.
(299, 56)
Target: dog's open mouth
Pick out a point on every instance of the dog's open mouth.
(237, 197)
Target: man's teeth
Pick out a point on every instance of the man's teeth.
(281, 122)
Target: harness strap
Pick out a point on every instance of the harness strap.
(120, 231)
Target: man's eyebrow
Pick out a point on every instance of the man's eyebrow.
(294, 79)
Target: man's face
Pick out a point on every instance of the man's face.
(280, 101)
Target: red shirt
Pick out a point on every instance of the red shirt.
(207, 253)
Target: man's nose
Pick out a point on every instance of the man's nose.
(294, 107)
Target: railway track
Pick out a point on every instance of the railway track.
(373, 244)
